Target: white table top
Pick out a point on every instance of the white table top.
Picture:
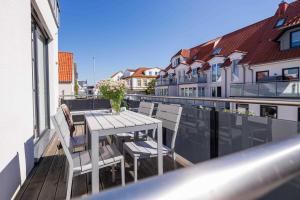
(103, 120)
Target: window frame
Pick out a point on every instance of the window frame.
(261, 107)
(139, 82)
(261, 72)
(277, 25)
(218, 68)
(291, 38)
(288, 69)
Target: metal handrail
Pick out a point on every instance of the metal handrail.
(229, 100)
(249, 174)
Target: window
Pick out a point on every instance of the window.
(262, 76)
(216, 72)
(213, 92)
(156, 73)
(217, 51)
(150, 73)
(234, 70)
(290, 74)
(139, 82)
(201, 92)
(219, 92)
(268, 111)
(295, 39)
(145, 82)
(194, 72)
(244, 108)
(176, 62)
(182, 92)
(280, 22)
(40, 81)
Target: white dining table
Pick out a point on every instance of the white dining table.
(103, 123)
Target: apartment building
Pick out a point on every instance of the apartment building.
(258, 61)
(138, 79)
(29, 64)
(67, 73)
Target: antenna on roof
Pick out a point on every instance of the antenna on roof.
(94, 62)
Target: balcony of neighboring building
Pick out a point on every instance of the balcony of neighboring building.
(267, 87)
(166, 82)
(193, 79)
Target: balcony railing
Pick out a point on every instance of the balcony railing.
(207, 132)
(193, 79)
(165, 82)
(266, 89)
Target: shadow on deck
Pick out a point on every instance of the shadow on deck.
(47, 179)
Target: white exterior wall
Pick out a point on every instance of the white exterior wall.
(275, 67)
(16, 156)
(66, 89)
(117, 76)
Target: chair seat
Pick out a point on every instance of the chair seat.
(78, 141)
(108, 155)
(144, 148)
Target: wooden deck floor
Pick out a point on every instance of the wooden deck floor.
(47, 179)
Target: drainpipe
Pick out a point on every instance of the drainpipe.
(225, 82)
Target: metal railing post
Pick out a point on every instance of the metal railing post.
(214, 133)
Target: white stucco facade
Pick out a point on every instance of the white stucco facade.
(17, 119)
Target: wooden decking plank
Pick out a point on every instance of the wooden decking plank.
(51, 182)
(37, 181)
(79, 187)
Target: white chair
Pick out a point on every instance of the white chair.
(145, 108)
(170, 117)
(80, 162)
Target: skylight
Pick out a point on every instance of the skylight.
(217, 51)
(280, 22)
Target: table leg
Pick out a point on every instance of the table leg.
(159, 149)
(95, 160)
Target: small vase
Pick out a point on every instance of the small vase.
(115, 107)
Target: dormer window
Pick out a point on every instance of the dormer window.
(280, 22)
(194, 58)
(217, 51)
(295, 39)
(150, 73)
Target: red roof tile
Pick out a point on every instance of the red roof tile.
(65, 67)
(140, 73)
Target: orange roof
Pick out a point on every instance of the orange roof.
(140, 73)
(65, 67)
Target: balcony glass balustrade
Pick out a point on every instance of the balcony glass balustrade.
(266, 89)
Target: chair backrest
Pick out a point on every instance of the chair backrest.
(170, 116)
(63, 132)
(146, 108)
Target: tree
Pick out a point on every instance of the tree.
(76, 87)
(151, 87)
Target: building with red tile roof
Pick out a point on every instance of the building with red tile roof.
(66, 73)
(139, 78)
(265, 51)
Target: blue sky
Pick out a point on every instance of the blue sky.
(146, 33)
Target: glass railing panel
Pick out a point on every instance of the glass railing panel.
(267, 89)
(288, 89)
(236, 90)
(250, 90)
(193, 137)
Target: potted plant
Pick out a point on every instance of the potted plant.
(113, 91)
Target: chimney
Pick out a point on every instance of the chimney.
(283, 6)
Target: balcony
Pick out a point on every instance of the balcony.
(205, 132)
(193, 79)
(266, 89)
(166, 82)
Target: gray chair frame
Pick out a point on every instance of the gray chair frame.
(80, 162)
(146, 109)
(170, 116)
